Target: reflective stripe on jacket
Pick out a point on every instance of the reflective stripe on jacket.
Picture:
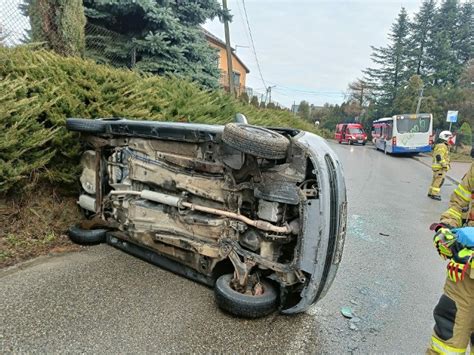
(440, 156)
(461, 202)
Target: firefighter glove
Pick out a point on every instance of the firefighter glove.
(456, 271)
(460, 263)
(465, 236)
(444, 241)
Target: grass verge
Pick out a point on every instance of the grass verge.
(35, 224)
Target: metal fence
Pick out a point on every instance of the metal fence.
(101, 44)
(18, 24)
(14, 25)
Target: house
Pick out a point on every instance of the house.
(239, 69)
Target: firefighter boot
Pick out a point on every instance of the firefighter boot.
(454, 318)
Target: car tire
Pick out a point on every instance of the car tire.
(258, 141)
(241, 305)
(85, 125)
(86, 237)
(363, 143)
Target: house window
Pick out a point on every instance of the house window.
(236, 78)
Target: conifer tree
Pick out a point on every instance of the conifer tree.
(421, 31)
(244, 97)
(156, 36)
(303, 110)
(465, 32)
(254, 101)
(392, 61)
(58, 23)
(444, 65)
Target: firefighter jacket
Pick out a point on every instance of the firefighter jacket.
(440, 156)
(461, 210)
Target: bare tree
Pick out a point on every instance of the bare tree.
(360, 92)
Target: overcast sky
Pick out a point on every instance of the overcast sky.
(310, 49)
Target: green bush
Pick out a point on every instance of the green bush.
(465, 134)
(39, 90)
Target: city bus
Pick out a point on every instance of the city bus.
(403, 134)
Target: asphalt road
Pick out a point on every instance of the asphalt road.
(105, 301)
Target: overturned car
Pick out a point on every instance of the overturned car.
(257, 213)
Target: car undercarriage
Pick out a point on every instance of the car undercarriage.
(242, 203)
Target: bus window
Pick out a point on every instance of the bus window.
(408, 125)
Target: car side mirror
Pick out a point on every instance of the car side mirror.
(240, 118)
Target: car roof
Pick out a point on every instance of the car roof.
(350, 124)
(384, 119)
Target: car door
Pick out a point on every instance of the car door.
(343, 133)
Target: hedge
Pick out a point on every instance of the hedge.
(465, 133)
(40, 89)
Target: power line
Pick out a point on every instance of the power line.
(242, 22)
(304, 91)
(310, 92)
(253, 44)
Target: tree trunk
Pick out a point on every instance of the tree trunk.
(60, 24)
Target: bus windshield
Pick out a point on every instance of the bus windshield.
(420, 124)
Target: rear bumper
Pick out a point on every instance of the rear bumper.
(407, 150)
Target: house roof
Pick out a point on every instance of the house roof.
(217, 41)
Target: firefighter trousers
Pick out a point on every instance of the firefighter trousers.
(438, 180)
(454, 319)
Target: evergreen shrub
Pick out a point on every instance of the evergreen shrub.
(40, 89)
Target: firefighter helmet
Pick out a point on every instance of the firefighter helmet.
(445, 135)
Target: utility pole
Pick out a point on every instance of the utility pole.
(269, 92)
(230, 72)
(419, 101)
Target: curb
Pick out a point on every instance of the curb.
(429, 166)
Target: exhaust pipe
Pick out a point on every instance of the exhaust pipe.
(179, 203)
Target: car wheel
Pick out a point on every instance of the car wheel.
(242, 305)
(257, 141)
(83, 125)
(86, 237)
(363, 143)
(340, 142)
(350, 142)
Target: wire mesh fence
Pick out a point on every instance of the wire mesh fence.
(21, 23)
(108, 47)
(14, 24)
(40, 22)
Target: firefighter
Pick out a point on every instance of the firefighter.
(440, 164)
(454, 240)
